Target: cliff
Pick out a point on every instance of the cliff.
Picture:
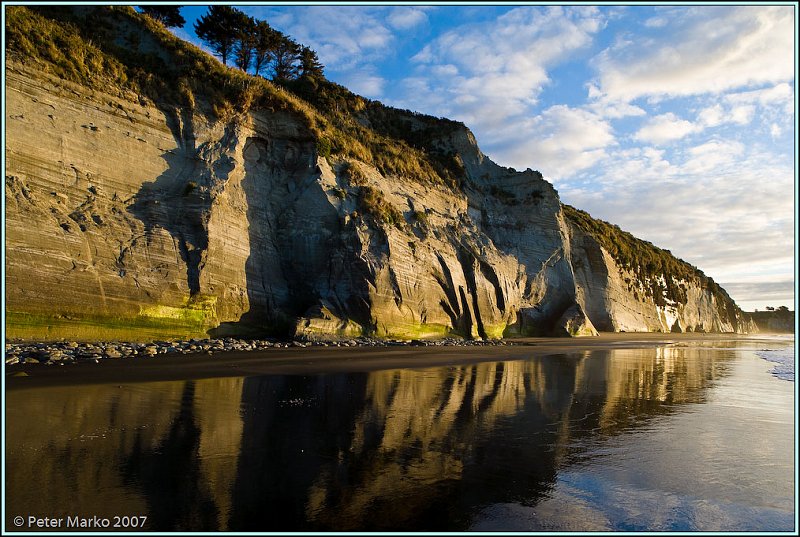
(151, 192)
(780, 321)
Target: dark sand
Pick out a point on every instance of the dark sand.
(314, 360)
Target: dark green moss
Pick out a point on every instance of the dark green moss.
(42, 327)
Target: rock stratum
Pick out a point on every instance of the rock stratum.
(136, 208)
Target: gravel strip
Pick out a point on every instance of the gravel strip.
(70, 352)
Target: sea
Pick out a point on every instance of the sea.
(783, 357)
(683, 435)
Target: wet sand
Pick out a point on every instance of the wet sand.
(623, 432)
(314, 360)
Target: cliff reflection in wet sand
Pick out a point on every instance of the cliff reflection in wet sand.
(426, 449)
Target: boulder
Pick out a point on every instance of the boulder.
(574, 322)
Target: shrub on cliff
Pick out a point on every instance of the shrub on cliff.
(372, 202)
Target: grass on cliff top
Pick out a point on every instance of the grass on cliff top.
(402, 142)
(104, 47)
(649, 261)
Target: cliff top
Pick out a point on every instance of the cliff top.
(115, 47)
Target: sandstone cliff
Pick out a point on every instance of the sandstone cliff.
(780, 321)
(145, 214)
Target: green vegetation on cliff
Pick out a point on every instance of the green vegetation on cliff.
(650, 263)
(106, 47)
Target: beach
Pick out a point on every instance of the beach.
(290, 359)
(623, 432)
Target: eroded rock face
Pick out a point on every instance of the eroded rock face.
(616, 299)
(129, 212)
(574, 322)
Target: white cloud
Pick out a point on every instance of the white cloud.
(656, 22)
(717, 48)
(712, 116)
(559, 142)
(365, 83)
(665, 128)
(445, 70)
(722, 205)
(614, 110)
(743, 114)
(780, 93)
(501, 65)
(403, 18)
(759, 294)
(713, 157)
(772, 105)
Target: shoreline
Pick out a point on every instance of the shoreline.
(320, 359)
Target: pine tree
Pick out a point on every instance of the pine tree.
(219, 29)
(309, 63)
(246, 41)
(266, 41)
(285, 57)
(169, 16)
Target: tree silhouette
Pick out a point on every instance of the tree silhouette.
(169, 16)
(219, 29)
(231, 34)
(309, 63)
(246, 41)
(266, 41)
(285, 57)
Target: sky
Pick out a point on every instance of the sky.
(674, 122)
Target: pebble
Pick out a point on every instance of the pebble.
(67, 352)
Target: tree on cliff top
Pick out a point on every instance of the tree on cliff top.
(169, 16)
(309, 63)
(219, 29)
(266, 40)
(285, 57)
(245, 42)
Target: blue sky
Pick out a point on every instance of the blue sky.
(674, 122)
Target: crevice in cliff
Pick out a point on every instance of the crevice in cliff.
(456, 307)
(448, 287)
(467, 261)
(398, 296)
(491, 276)
(180, 123)
(465, 325)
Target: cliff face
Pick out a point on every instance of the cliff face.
(780, 321)
(173, 220)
